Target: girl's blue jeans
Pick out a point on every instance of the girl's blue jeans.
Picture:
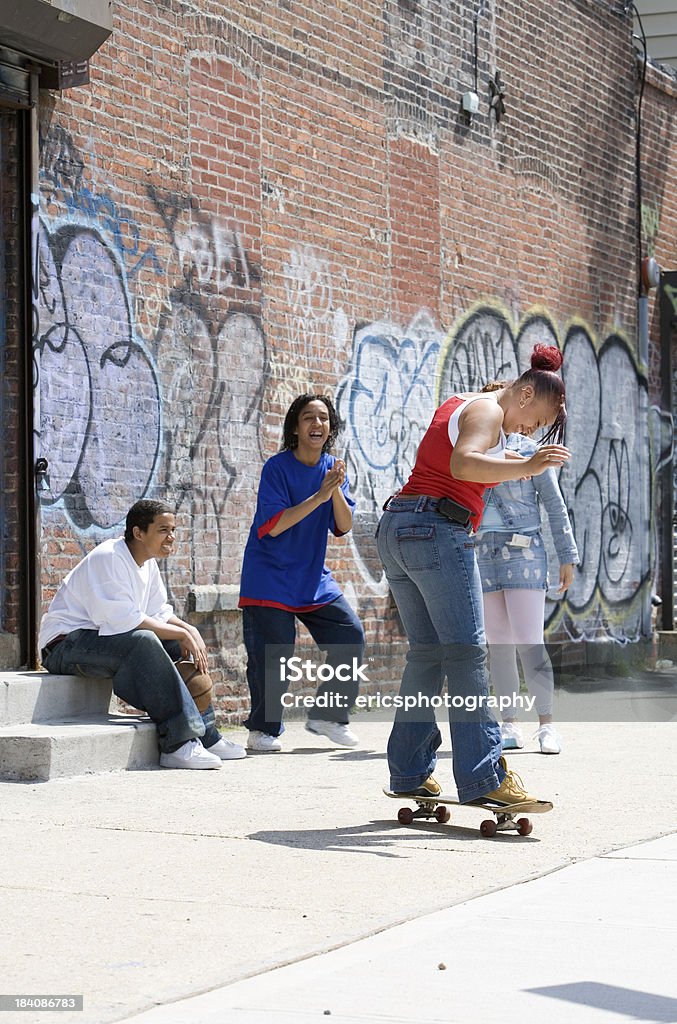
(430, 566)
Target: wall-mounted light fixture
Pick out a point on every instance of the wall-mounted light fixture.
(651, 273)
(471, 102)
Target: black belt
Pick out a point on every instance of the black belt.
(447, 507)
(48, 648)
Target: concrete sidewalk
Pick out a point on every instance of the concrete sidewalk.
(576, 944)
(145, 888)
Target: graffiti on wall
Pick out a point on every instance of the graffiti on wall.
(151, 358)
(100, 407)
(153, 365)
(607, 482)
(607, 485)
(385, 402)
(397, 377)
(315, 326)
(214, 368)
(312, 314)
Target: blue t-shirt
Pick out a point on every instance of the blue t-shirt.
(288, 571)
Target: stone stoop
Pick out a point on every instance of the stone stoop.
(59, 726)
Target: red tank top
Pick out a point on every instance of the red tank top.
(431, 474)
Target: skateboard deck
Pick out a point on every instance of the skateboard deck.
(505, 818)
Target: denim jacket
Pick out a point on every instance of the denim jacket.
(518, 504)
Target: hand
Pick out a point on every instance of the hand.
(566, 577)
(192, 645)
(549, 456)
(333, 479)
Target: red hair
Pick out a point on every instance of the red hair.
(546, 357)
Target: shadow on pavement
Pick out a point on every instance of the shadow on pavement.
(629, 1002)
(376, 837)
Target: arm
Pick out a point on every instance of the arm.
(328, 489)
(343, 513)
(480, 425)
(188, 637)
(159, 617)
(548, 491)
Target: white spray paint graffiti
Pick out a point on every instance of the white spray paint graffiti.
(288, 379)
(100, 410)
(111, 393)
(212, 442)
(606, 484)
(386, 402)
(314, 322)
(214, 253)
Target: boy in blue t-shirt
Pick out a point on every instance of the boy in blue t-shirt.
(303, 494)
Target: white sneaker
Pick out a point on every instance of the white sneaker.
(227, 750)
(337, 733)
(511, 736)
(263, 742)
(548, 739)
(190, 755)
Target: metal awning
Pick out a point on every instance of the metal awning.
(50, 31)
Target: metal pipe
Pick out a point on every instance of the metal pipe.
(30, 545)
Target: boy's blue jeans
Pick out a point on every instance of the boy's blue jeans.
(430, 565)
(270, 633)
(141, 667)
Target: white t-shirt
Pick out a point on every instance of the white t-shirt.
(106, 591)
(498, 450)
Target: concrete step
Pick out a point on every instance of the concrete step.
(36, 752)
(56, 726)
(41, 697)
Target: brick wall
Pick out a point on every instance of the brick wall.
(247, 204)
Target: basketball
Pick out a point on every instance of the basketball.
(199, 684)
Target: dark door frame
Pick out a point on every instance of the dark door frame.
(668, 327)
(27, 592)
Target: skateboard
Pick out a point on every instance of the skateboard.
(505, 818)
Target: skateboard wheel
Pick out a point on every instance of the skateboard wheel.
(405, 815)
(443, 814)
(488, 828)
(524, 827)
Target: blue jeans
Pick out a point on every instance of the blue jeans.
(431, 569)
(141, 667)
(334, 627)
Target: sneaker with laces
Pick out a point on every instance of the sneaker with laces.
(430, 787)
(511, 736)
(190, 755)
(227, 750)
(548, 739)
(263, 742)
(339, 734)
(511, 791)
